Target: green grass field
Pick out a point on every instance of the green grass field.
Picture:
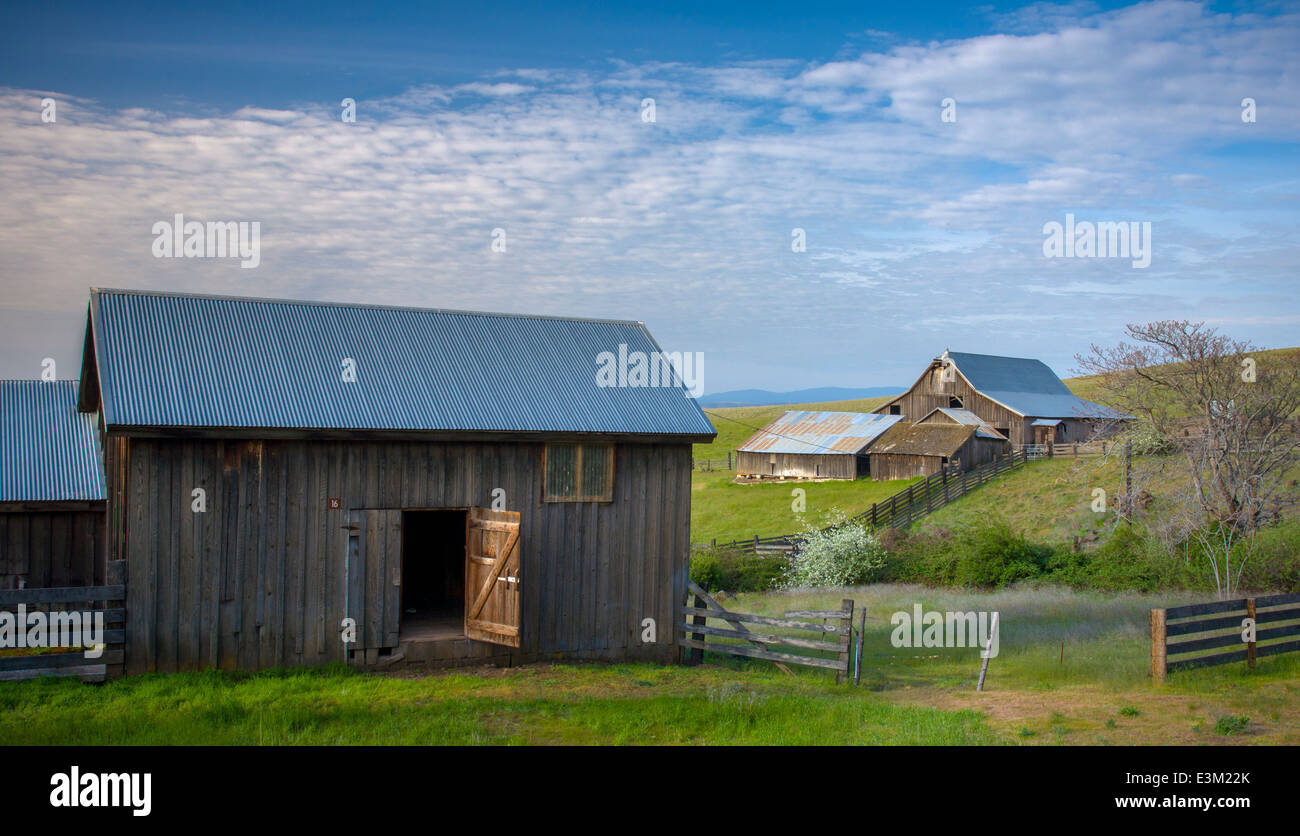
(723, 509)
(1072, 670)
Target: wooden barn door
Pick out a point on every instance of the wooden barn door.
(492, 576)
(375, 576)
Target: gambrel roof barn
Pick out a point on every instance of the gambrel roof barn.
(1008, 393)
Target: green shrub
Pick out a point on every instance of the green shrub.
(1231, 724)
(1272, 559)
(735, 571)
(996, 555)
(843, 555)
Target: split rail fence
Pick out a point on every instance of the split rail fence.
(758, 644)
(1227, 621)
(110, 600)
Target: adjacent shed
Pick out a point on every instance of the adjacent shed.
(812, 445)
(1009, 394)
(302, 482)
(51, 488)
(909, 450)
(988, 443)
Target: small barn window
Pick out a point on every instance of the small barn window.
(579, 472)
(895, 409)
(954, 403)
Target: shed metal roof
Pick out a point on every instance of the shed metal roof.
(923, 440)
(49, 452)
(826, 433)
(964, 416)
(172, 360)
(1026, 386)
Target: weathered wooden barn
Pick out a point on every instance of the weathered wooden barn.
(812, 445)
(51, 488)
(1022, 399)
(300, 483)
(909, 450)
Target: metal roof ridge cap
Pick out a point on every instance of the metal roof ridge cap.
(368, 305)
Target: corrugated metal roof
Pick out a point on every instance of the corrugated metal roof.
(923, 440)
(829, 433)
(965, 416)
(1026, 386)
(49, 452)
(1046, 422)
(170, 360)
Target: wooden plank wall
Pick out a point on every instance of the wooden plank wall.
(51, 548)
(799, 465)
(931, 392)
(258, 580)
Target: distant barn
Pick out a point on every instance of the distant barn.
(51, 488)
(301, 483)
(909, 450)
(1021, 399)
(812, 445)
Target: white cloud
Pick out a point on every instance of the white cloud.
(685, 222)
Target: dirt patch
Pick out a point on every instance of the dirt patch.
(1097, 716)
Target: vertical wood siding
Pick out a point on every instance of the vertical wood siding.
(51, 548)
(260, 579)
(931, 392)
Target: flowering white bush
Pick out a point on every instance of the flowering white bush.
(843, 555)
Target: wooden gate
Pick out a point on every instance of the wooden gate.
(375, 578)
(492, 576)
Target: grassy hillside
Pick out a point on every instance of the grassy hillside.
(1087, 387)
(723, 509)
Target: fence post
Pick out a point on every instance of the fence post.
(857, 662)
(846, 639)
(1250, 645)
(1159, 660)
(729, 460)
(696, 656)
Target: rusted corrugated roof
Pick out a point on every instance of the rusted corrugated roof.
(923, 439)
(828, 433)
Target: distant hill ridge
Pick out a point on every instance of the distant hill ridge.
(762, 397)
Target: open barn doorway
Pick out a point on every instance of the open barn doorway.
(433, 575)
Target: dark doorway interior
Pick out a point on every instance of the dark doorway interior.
(433, 575)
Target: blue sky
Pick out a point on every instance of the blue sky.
(921, 234)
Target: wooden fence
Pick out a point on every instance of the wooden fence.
(759, 644)
(112, 603)
(713, 464)
(1195, 620)
(1087, 449)
(903, 508)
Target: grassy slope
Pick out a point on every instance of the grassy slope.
(1086, 386)
(729, 511)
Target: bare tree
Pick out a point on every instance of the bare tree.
(1223, 415)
